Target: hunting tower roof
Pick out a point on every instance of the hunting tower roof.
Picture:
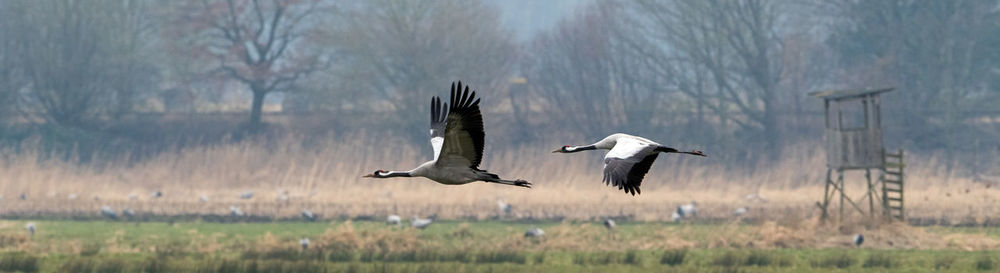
(849, 93)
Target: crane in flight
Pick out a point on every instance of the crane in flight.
(458, 137)
(628, 159)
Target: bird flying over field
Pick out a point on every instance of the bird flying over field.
(628, 160)
(457, 137)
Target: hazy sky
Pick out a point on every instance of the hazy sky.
(527, 17)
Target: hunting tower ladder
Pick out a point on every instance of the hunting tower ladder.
(892, 185)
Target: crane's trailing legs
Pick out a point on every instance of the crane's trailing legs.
(493, 178)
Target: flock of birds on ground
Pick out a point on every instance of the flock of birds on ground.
(458, 138)
(682, 212)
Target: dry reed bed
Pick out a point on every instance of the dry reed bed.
(325, 178)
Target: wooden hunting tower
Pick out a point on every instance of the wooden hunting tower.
(854, 142)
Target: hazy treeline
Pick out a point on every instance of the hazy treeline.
(730, 76)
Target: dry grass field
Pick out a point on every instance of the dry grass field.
(179, 232)
(287, 176)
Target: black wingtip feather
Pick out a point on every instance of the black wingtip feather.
(465, 106)
(465, 96)
(453, 93)
(434, 109)
(438, 112)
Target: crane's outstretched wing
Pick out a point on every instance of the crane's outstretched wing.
(627, 163)
(439, 117)
(464, 136)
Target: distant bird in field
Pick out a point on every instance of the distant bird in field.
(108, 212)
(203, 199)
(235, 211)
(458, 138)
(739, 212)
(504, 207)
(688, 211)
(127, 212)
(156, 194)
(304, 242)
(628, 160)
(308, 215)
(420, 223)
(247, 195)
(393, 220)
(609, 224)
(858, 240)
(31, 228)
(24, 196)
(534, 233)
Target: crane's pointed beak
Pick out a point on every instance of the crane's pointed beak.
(368, 176)
(557, 150)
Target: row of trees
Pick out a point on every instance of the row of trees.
(725, 71)
(744, 68)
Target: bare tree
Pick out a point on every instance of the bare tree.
(589, 78)
(402, 52)
(942, 56)
(10, 78)
(81, 59)
(256, 42)
(726, 55)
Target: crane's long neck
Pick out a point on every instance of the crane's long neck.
(574, 149)
(394, 174)
(665, 149)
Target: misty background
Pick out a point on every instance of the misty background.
(91, 81)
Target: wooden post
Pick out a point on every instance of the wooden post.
(840, 178)
(902, 184)
(826, 196)
(871, 201)
(886, 210)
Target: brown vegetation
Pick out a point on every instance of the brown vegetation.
(326, 179)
